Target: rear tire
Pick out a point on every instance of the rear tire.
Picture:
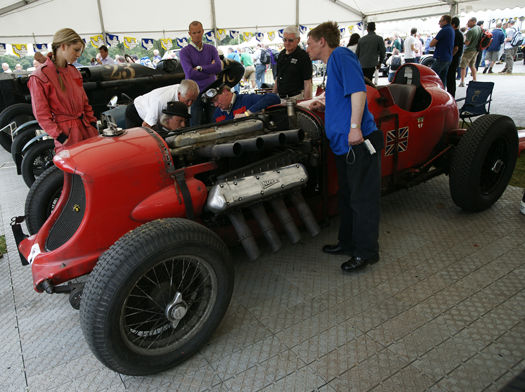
(42, 198)
(125, 309)
(20, 113)
(37, 159)
(21, 139)
(483, 162)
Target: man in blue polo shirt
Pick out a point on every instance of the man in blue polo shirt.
(357, 145)
(444, 43)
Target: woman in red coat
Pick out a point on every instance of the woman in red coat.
(59, 101)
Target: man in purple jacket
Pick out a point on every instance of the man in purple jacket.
(200, 63)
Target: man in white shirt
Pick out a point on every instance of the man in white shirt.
(411, 47)
(510, 51)
(104, 56)
(146, 109)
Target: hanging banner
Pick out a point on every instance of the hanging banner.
(350, 28)
(20, 50)
(247, 35)
(221, 34)
(130, 42)
(234, 34)
(209, 36)
(40, 47)
(342, 30)
(271, 35)
(280, 33)
(181, 42)
(303, 29)
(147, 43)
(112, 40)
(166, 43)
(3, 49)
(259, 36)
(97, 40)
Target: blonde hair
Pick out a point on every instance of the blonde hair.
(65, 36)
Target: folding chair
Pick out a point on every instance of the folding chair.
(479, 95)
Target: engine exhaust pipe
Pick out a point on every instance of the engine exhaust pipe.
(305, 213)
(266, 226)
(253, 144)
(245, 235)
(286, 220)
(227, 150)
(274, 140)
(294, 136)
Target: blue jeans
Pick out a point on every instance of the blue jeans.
(441, 68)
(260, 69)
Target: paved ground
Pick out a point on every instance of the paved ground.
(442, 311)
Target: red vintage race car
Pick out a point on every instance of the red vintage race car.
(149, 218)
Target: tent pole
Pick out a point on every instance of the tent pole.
(297, 13)
(101, 21)
(213, 21)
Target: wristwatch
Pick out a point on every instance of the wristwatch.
(354, 126)
(198, 68)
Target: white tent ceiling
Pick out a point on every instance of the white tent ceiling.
(36, 20)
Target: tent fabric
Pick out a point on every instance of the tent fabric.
(37, 20)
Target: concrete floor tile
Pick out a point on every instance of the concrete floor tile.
(301, 380)
(408, 379)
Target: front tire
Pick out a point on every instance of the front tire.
(483, 162)
(156, 296)
(20, 113)
(37, 159)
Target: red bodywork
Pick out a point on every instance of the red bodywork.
(129, 179)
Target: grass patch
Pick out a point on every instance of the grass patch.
(518, 177)
(3, 246)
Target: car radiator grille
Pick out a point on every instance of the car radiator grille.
(70, 217)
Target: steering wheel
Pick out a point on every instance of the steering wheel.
(128, 58)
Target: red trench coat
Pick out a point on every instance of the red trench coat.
(61, 111)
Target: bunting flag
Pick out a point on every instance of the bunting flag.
(130, 42)
(209, 36)
(147, 43)
(360, 25)
(166, 43)
(181, 42)
(342, 30)
(350, 28)
(97, 40)
(20, 50)
(112, 40)
(303, 29)
(40, 47)
(259, 36)
(280, 32)
(247, 35)
(221, 34)
(271, 35)
(2, 49)
(234, 34)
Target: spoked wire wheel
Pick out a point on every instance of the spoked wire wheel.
(155, 296)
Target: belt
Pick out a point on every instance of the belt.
(290, 95)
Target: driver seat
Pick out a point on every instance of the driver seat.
(403, 94)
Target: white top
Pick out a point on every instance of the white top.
(510, 34)
(409, 53)
(107, 60)
(150, 106)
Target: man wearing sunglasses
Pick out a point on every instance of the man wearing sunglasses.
(294, 68)
(231, 105)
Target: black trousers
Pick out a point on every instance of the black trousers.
(451, 76)
(132, 117)
(369, 73)
(359, 179)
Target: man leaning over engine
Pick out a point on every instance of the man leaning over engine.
(230, 105)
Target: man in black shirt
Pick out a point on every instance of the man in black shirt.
(457, 51)
(294, 68)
